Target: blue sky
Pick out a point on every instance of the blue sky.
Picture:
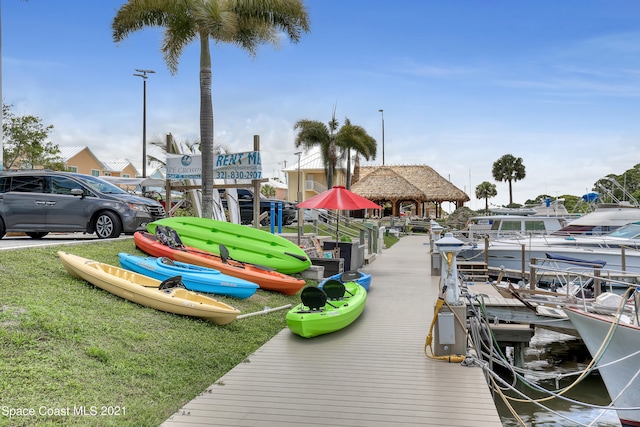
(461, 83)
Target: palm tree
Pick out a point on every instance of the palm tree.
(244, 23)
(352, 137)
(334, 143)
(508, 168)
(486, 190)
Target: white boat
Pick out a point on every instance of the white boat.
(506, 226)
(606, 218)
(615, 346)
(508, 253)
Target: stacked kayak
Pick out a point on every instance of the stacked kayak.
(266, 278)
(359, 277)
(169, 296)
(326, 310)
(194, 277)
(245, 244)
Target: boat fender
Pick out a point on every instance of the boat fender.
(171, 283)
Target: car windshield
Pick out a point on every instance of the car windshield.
(100, 185)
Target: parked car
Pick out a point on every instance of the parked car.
(245, 200)
(310, 215)
(39, 202)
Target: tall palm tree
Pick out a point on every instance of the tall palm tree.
(508, 168)
(352, 137)
(486, 190)
(244, 23)
(334, 143)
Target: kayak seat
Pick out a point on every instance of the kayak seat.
(167, 260)
(161, 235)
(334, 290)
(170, 283)
(313, 298)
(349, 276)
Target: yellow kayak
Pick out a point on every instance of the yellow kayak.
(166, 295)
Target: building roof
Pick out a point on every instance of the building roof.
(410, 182)
(118, 165)
(68, 152)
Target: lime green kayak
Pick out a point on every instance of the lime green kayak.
(326, 310)
(245, 244)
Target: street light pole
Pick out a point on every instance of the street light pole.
(382, 113)
(298, 198)
(143, 74)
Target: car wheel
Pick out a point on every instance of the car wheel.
(36, 234)
(2, 229)
(107, 225)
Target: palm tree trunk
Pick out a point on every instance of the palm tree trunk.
(510, 194)
(348, 169)
(206, 127)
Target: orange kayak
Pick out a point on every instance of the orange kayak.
(265, 277)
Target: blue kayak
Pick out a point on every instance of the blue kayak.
(194, 277)
(359, 277)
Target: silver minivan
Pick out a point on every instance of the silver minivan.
(40, 202)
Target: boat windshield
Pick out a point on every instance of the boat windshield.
(629, 231)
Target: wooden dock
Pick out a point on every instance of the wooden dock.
(373, 373)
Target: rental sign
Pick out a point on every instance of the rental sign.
(244, 166)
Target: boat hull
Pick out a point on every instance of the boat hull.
(145, 290)
(244, 243)
(593, 329)
(268, 280)
(308, 324)
(194, 277)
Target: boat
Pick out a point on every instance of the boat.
(619, 248)
(244, 243)
(505, 226)
(615, 347)
(266, 278)
(194, 277)
(363, 279)
(326, 310)
(169, 295)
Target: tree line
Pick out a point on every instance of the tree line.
(509, 168)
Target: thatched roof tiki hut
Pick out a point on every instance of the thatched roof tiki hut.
(418, 185)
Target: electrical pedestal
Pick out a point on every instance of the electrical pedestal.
(449, 336)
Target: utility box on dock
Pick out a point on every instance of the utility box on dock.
(435, 264)
(449, 336)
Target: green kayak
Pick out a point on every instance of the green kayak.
(245, 244)
(326, 310)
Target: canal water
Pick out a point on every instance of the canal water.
(550, 360)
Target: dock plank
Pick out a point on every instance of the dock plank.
(372, 373)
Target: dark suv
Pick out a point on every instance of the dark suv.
(245, 200)
(40, 202)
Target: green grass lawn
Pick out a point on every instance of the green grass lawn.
(68, 347)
